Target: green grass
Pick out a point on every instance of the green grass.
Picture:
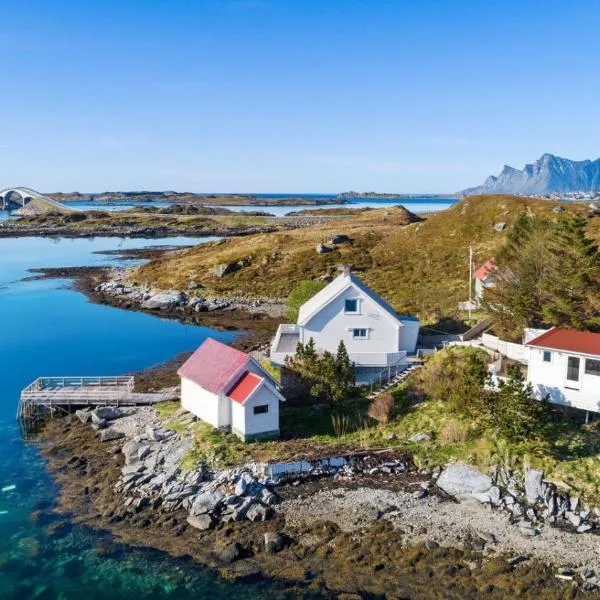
(568, 452)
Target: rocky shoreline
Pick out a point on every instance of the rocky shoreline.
(312, 524)
(256, 320)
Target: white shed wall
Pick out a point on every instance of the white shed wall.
(246, 422)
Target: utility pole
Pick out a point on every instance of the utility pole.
(470, 279)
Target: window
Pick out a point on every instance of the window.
(360, 334)
(351, 305)
(592, 366)
(573, 368)
(547, 356)
(261, 409)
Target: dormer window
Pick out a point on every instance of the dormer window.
(351, 305)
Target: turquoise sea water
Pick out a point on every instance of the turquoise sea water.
(48, 329)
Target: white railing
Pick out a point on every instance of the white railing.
(377, 359)
(55, 383)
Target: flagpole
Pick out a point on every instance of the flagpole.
(470, 278)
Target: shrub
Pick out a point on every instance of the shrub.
(454, 432)
(456, 375)
(381, 408)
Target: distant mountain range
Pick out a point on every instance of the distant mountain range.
(547, 175)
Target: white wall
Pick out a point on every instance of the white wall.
(246, 422)
(550, 378)
(201, 402)
(332, 324)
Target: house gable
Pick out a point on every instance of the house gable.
(338, 287)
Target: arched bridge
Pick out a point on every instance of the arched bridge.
(18, 197)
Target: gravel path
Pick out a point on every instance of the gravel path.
(447, 523)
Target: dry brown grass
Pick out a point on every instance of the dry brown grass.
(420, 267)
(454, 431)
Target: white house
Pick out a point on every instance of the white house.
(565, 365)
(229, 389)
(483, 279)
(347, 310)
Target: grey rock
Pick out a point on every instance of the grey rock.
(206, 502)
(108, 435)
(143, 451)
(231, 553)
(244, 483)
(340, 238)
(109, 413)
(258, 512)
(574, 519)
(268, 497)
(225, 269)
(499, 227)
(420, 437)
(240, 512)
(533, 485)
(84, 415)
(164, 300)
(584, 528)
(273, 542)
(323, 249)
(463, 481)
(202, 522)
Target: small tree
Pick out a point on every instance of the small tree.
(330, 377)
(513, 410)
(304, 291)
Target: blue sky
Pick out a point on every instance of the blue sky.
(292, 95)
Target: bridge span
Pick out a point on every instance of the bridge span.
(18, 197)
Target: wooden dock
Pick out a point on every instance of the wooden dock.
(46, 396)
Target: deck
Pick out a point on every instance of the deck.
(46, 395)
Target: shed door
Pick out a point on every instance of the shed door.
(573, 372)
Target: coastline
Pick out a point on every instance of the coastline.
(338, 536)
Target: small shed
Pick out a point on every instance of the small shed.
(227, 388)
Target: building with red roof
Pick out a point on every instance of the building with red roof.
(227, 388)
(483, 279)
(564, 366)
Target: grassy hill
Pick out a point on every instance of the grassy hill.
(420, 266)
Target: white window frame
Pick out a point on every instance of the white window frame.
(360, 337)
(544, 356)
(352, 312)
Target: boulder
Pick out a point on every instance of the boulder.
(164, 300)
(533, 485)
(258, 512)
(463, 481)
(232, 553)
(202, 522)
(246, 485)
(130, 451)
(273, 542)
(206, 502)
(84, 415)
(109, 413)
(226, 268)
(108, 435)
(322, 249)
(340, 238)
(420, 437)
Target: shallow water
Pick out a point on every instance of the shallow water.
(420, 205)
(48, 329)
